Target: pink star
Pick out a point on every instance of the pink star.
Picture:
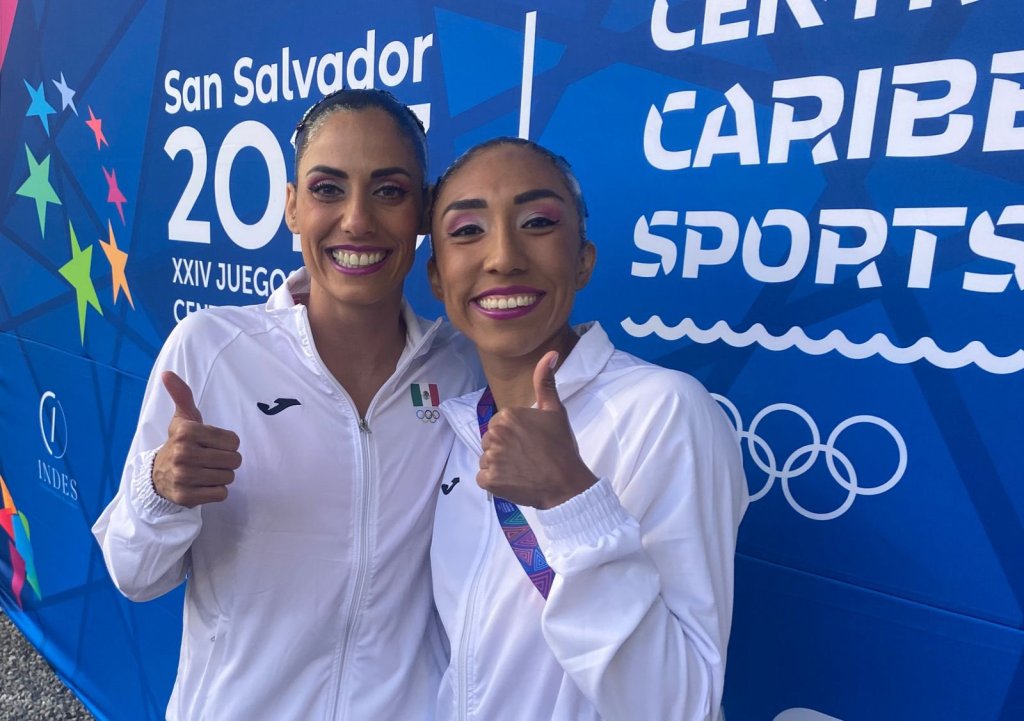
(114, 194)
(96, 125)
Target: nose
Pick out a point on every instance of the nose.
(506, 254)
(357, 217)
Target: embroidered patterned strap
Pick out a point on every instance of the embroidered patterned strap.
(513, 524)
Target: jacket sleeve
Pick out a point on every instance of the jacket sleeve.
(145, 539)
(640, 610)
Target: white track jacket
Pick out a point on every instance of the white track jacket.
(308, 594)
(637, 622)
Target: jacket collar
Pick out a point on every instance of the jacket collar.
(287, 305)
(584, 364)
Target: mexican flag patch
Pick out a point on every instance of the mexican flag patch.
(425, 394)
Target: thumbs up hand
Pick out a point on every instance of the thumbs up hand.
(197, 462)
(530, 455)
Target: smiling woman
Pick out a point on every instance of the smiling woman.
(280, 469)
(588, 572)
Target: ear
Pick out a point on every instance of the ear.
(428, 205)
(588, 256)
(290, 200)
(435, 279)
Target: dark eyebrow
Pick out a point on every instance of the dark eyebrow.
(384, 172)
(536, 195)
(470, 204)
(327, 170)
(379, 173)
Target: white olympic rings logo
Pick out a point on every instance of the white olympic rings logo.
(801, 459)
(428, 416)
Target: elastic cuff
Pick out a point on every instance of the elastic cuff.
(586, 518)
(144, 492)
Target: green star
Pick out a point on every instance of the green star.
(38, 187)
(77, 272)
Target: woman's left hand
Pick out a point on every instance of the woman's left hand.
(530, 455)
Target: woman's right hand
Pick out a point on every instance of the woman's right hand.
(198, 461)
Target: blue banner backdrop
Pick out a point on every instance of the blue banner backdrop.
(814, 207)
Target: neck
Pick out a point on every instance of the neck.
(511, 378)
(356, 337)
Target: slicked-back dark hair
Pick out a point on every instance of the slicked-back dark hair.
(560, 163)
(361, 99)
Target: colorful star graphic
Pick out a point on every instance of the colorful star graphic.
(114, 194)
(67, 95)
(15, 525)
(118, 259)
(96, 125)
(39, 106)
(37, 186)
(77, 272)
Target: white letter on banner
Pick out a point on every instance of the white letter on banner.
(865, 9)
(664, 38)
(266, 83)
(865, 107)
(419, 46)
(715, 31)
(365, 56)
(831, 255)
(1001, 131)
(984, 241)
(250, 134)
(744, 142)
(654, 151)
(212, 82)
(799, 247)
(644, 239)
(922, 256)
(922, 4)
(803, 10)
(179, 225)
(397, 48)
(303, 81)
(244, 82)
(172, 91)
(286, 91)
(829, 91)
(694, 254)
(335, 61)
(907, 109)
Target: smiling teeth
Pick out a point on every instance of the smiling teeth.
(349, 259)
(506, 302)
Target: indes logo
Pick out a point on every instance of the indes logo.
(23, 567)
(53, 425)
(425, 394)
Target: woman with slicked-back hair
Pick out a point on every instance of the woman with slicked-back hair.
(287, 455)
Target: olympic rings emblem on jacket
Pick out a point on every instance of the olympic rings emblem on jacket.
(430, 415)
(804, 457)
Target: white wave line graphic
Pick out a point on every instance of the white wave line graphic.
(974, 352)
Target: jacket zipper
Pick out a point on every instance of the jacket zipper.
(468, 624)
(364, 518)
(362, 553)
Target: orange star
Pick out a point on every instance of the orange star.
(118, 259)
(114, 194)
(96, 125)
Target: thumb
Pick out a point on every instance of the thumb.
(544, 383)
(181, 394)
